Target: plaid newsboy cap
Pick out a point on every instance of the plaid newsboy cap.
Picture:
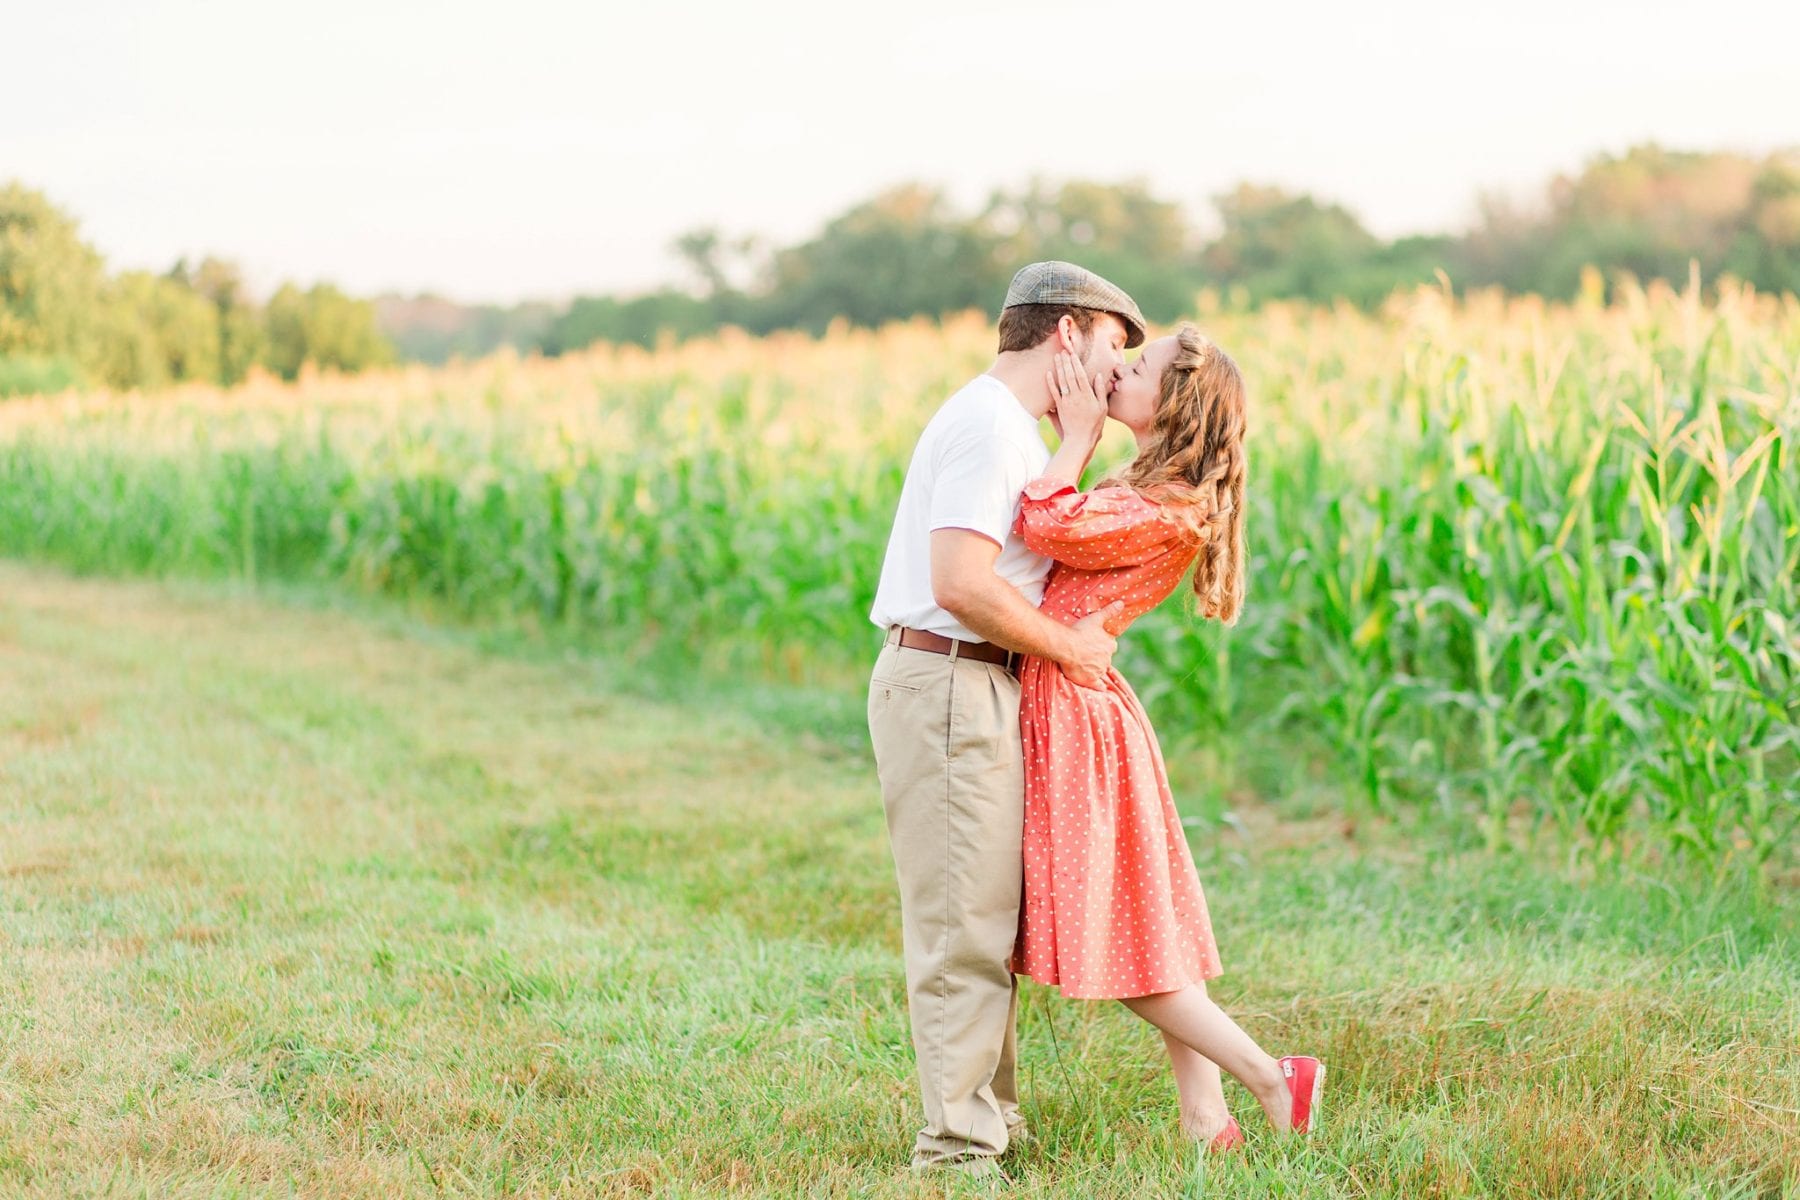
(1065, 283)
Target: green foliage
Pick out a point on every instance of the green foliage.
(1142, 243)
(63, 322)
(1276, 246)
(50, 280)
(640, 320)
(1648, 214)
(324, 327)
(157, 331)
(907, 252)
(243, 341)
(900, 254)
(1766, 249)
(28, 375)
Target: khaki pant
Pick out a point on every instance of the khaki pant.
(946, 737)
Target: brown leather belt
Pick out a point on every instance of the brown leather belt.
(987, 652)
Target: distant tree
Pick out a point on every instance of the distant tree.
(1416, 258)
(1650, 211)
(1767, 250)
(1501, 248)
(723, 266)
(703, 250)
(323, 326)
(130, 355)
(242, 337)
(900, 254)
(904, 252)
(641, 320)
(157, 330)
(1278, 244)
(50, 281)
(1144, 244)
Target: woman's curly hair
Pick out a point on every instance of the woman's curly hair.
(1194, 464)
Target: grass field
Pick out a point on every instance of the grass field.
(300, 895)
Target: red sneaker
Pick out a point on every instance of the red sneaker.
(1228, 1138)
(1305, 1080)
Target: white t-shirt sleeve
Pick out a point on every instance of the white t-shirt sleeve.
(977, 486)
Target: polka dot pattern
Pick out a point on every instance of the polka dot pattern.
(1112, 905)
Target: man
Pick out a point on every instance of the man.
(958, 599)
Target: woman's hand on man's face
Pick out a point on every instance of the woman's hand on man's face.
(1077, 403)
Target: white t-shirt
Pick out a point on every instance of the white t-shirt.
(974, 458)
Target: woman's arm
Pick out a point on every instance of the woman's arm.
(1080, 416)
(1093, 531)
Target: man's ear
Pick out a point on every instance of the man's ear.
(1065, 330)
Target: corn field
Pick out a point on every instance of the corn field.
(1521, 564)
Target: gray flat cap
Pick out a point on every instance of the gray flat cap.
(1065, 283)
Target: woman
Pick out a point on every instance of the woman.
(1113, 906)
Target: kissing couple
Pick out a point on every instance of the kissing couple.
(1028, 807)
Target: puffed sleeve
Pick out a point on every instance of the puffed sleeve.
(1107, 527)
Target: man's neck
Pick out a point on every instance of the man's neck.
(1022, 371)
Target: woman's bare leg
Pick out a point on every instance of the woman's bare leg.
(1203, 1110)
(1191, 1018)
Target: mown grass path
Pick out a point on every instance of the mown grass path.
(295, 900)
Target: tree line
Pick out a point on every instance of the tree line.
(1649, 212)
(64, 321)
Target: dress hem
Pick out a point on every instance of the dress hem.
(1067, 994)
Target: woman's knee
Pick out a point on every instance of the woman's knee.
(1161, 1001)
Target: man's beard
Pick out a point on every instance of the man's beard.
(1089, 370)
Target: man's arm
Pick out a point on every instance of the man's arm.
(964, 585)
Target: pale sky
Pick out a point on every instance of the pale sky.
(537, 149)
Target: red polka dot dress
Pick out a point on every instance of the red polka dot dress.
(1112, 905)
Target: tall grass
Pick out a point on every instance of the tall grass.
(1532, 566)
